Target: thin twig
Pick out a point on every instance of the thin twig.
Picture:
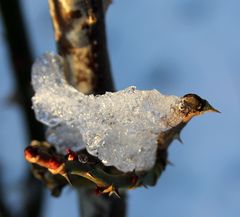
(21, 58)
(80, 35)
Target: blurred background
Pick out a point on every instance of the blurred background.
(176, 47)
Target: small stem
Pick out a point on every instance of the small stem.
(92, 205)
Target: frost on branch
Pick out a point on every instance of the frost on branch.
(120, 128)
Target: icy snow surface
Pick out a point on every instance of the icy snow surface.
(120, 128)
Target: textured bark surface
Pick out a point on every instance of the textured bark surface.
(80, 35)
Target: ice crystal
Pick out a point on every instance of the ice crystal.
(120, 128)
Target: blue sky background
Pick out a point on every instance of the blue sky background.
(176, 47)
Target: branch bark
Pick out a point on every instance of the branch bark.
(81, 41)
(80, 36)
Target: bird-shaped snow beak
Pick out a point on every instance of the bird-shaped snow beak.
(195, 106)
(208, 108)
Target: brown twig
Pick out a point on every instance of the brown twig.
(80, 35)
(21, 58)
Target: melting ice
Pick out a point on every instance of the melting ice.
(120, 128)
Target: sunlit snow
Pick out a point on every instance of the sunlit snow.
(120, 128)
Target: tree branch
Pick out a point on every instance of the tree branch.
(80, 35)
